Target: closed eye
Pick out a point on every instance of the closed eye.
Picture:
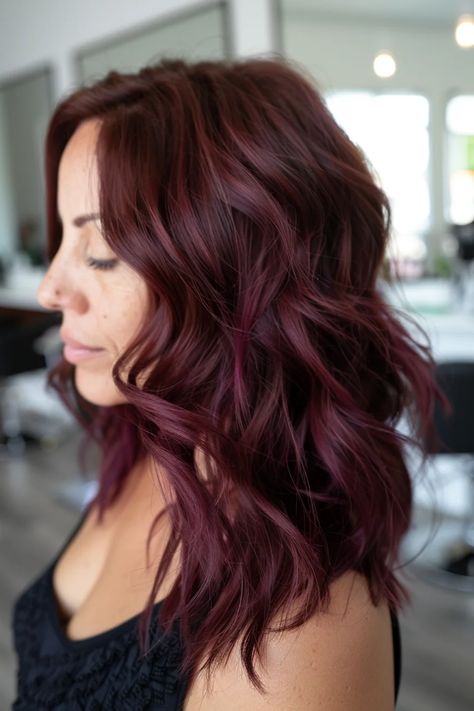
(101, 263)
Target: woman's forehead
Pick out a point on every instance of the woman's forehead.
(78, 178)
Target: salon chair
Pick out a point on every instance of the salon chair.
(464, 270)
(452, 557)
(19, 354)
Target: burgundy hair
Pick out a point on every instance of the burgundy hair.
(261, 234)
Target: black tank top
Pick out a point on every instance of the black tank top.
(103, 672)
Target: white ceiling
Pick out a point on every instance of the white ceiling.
(431, 11)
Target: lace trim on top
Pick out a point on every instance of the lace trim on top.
(103, 671)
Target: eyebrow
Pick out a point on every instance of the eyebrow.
(81, 220)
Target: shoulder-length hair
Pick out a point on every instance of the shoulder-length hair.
(261, 234)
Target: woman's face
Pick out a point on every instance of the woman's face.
(102, 308)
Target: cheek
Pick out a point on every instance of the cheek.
(123, 312)
(123, 327)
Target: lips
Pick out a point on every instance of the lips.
(76, 351)
(76, 344)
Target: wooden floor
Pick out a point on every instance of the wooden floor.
(437, 630)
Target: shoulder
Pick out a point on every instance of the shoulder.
(339, 660)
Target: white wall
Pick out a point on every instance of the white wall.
(339, 53)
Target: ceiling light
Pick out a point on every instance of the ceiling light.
(464, 32)
(384, 65)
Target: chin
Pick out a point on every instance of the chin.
(97, 388)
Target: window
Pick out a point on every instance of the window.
(460, 129)
(392, 131)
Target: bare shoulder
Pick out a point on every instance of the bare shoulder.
(340, 660)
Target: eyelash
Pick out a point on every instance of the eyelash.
(101, 263)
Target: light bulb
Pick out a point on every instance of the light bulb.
(384, 65)
(464, 32)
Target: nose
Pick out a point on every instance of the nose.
(57, 291)
(49, 296)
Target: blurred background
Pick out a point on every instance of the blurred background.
(398, 76)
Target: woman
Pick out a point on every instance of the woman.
(215, 243)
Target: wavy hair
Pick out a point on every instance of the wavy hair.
(261, 234)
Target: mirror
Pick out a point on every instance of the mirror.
(25, 106)
(196, 33)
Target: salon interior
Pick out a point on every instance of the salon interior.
(398, 77)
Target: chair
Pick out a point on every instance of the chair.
(464, 275)
(19, 355)
(452, 562)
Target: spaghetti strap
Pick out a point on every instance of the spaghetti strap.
(397, 651)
